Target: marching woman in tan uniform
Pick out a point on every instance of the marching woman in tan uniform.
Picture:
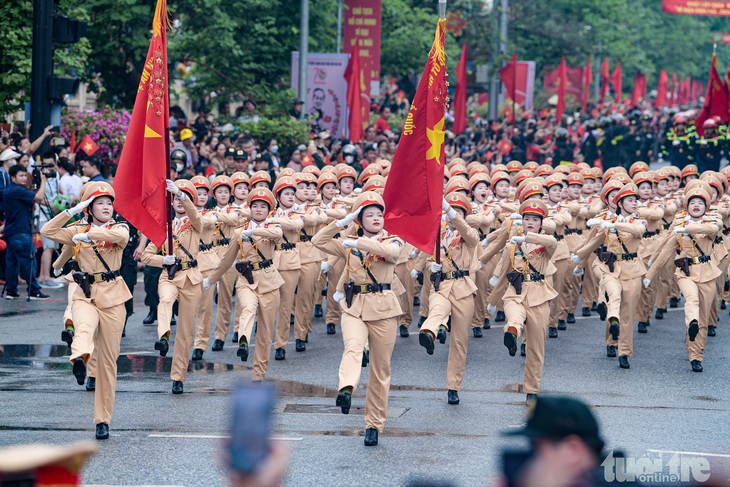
(207, 260)
(690, 244)
(291, 220)
(618, 247)
(252, 251)
(525, 291)
(98, 309)
(452, 291)
(309, 257)
(370, 307)
(180, 279)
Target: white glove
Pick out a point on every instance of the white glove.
(675, 142)
(517, 239)
(338, 296)
(515, 216)
(680, 230)
(206, 284)
(575, 259)
(171, 188)
(247, 232)
(414, 274)
(357, 190)
(578, 271)
(516, 223)
(593, 221)
(325, 267)
(647, 282)
(413, 254)
(445, 205)
(491, 310)
(349, 244)
(436, 267)
(485, 243)
(348, 219)
(687, 218)
(606, 225)
(651, 263)
(81, 237)
(451, 214)
(79, 207)
(493, 281)
(168, 260)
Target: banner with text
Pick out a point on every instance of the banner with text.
(362, 25)
(711, 8)
(326, 90)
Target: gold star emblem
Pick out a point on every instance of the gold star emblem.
(436, 137)
(88, 146)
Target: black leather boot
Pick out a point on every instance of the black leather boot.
(151, 316)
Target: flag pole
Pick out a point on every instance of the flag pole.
(168, 195)
(437, 253)
(514, 94)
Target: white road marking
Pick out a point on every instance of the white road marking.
(595, 315)
(693, 453)
(216, 437)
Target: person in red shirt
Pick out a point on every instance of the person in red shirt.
(381, 124)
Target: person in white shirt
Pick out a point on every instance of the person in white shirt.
(70, 183)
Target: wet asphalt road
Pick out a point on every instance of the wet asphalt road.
(655, 409)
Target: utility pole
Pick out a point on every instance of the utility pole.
(303, 54)
(339, 26)
(41, 69)
(494, 87)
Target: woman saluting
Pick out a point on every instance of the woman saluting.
(370, 308)
(98, 304)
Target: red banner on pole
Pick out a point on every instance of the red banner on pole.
(710, 8)
(362, 25)
(574, 80)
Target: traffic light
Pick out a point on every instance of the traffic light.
(49, 30)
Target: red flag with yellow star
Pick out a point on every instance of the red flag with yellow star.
(87, 145)
(414, 191)
(140, 180)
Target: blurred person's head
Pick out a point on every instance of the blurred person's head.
(91, 167)
(565, 443)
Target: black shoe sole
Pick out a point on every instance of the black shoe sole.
(79, 371)
(570, 319)
(162, 348)
(621, 365)
(511, 343)
(692, 331)
(711, 331)
(453, 401)
(562, 325)
(404, 332)
(523, 351)
(642, 328)
(613, 330)
(281, 356)
(218, 348)
(611, 353)
(67, 336)
(331, 330)
(177, 391)
(426, 342)
(697, 367)
(243, 353)
(344, 402)
(103, 436)
(602, 311)
(477, 332)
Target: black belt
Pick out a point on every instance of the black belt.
(726, 231)
(702, 259)
(454, 275)
(192, 264)
(102, 276)
(204, 246)
(630, 256)
(571, 231)
(559, 237)
(336, 235)
(648, 234)
(221, 241)
(718, 240)
(370, 288)
(285, 246)
(264, 264)
(533, 277)
(305, 238)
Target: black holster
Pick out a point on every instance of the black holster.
(84, 281)
(683, 264)
(349, 293)
(436, 280)
(70, 266)
(608, 258)
(515, 278)
(420, 278)
(244, 268)
(172, 269)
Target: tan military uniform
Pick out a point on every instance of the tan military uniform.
(372, 317)
(207, 260)
(289, 265)
(98, 320)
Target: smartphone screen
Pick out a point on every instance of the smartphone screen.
(252, 407)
